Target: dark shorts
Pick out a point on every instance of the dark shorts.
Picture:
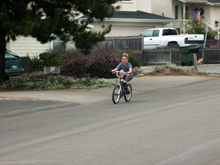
(125, 75)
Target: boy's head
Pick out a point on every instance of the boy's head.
(125, 57)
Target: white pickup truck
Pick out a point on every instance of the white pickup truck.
(162, 37)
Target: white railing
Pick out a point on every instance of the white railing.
(210, 27)
(184, 22)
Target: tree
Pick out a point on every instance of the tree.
(193, 27)
(41, 18)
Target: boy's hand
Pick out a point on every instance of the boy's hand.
(113, 71)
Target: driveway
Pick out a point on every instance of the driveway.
(215, 69)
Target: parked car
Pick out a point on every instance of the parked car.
(12, 64)
(162, 37)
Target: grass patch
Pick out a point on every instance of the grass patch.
(40, 81)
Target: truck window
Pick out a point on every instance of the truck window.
(168, 32)
(148, 33)
(173, 32)
(156, 33)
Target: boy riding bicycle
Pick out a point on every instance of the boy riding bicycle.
(125, 67)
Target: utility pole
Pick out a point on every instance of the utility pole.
(203, 51)
(195, 61)
(184, 15)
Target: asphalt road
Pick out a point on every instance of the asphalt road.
(163, 127)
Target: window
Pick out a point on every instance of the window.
(148, 33)
(151, 33)
(176, 12)
(156, 33)
(58, 46)
(187, 12)
(173, 32)
(8, 55)
(168, 32)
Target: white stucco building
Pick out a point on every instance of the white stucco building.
(134, 17)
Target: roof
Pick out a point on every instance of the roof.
(214, 1)
(208, 2)
(137, 16)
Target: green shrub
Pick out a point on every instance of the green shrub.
(45, 59)
(50, 59)
(35, 63)
(39, 81)
(193, 27)
(134, 60)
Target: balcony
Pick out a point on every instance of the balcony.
(208, 2)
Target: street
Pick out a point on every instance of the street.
(170, 126)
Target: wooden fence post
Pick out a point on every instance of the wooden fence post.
(113, 43)
(195, 61)
(142, 43)
(203, 55)
(171, 56)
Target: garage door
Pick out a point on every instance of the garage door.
(127, 30)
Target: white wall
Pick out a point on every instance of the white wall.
(162, 6)
(144, 5)
(214, 15)
(134, 5)
(127, 5)
(27, 46)
(126, 28)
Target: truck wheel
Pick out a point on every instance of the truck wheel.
(183, 63)
(173, 45)
(190, 63)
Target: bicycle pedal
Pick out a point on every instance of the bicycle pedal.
(123, 81)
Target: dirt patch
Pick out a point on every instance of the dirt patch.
(172, 70)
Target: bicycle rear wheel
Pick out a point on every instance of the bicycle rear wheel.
(116, 95)
(128, 93)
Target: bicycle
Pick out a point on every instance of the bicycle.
(121, 89)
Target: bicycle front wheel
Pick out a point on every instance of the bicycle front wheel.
(128, 93)
(116, 95)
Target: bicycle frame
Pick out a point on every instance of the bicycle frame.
(121, 91)
(120, 75)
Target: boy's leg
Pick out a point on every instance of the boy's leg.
(128, 77)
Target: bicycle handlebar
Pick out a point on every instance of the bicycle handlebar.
(119, 74)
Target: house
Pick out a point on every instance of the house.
(182, 11)
(130, 23)
(133, 18)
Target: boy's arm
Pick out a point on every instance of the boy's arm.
(114, 70)
(130, 71)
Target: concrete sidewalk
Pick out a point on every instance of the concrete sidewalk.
(82, 96)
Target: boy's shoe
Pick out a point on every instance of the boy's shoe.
(125, 86)
(127, 92)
